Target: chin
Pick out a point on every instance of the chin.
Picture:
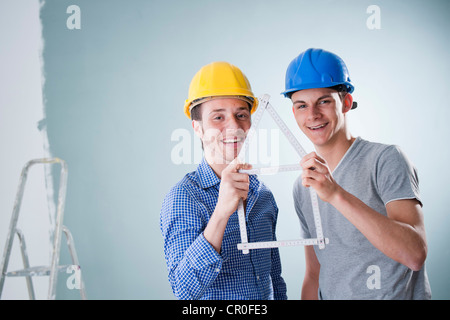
(230, 157)
(230, 153)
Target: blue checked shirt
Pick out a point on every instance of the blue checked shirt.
(196, 270)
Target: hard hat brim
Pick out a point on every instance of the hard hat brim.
(189, 105)
(289, 92)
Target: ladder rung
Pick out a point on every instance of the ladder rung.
(36, 271)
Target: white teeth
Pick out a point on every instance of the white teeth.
(318, 127)
(232, 140)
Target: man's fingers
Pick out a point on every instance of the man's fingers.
(236, 176)
(242, 186)
(314, 164)
(306, 182)
(235, 166)
(308, 156)
(244, 166)
(312, 155)
(313, 174)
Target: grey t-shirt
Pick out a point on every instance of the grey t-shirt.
(350, 266)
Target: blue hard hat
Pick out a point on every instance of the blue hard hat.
(316, 68)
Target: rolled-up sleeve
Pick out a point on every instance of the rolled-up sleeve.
(192, 263)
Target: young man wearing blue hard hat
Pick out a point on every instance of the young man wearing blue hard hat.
(371, 209)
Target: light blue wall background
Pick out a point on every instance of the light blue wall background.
(115, 89)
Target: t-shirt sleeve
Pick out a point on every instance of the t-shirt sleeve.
(297, 194)
(397, 178)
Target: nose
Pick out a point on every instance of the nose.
(234, 127)
(233, 123)
(313, 113)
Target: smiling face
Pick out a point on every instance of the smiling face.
(320, 114)
(223, 128)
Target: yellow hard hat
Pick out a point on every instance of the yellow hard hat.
(219, 79)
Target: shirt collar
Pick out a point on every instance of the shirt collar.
(206, 176)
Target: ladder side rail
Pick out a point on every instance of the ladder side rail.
(13, 224)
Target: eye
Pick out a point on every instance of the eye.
(324, 101)
(299, 106)
(242, 116)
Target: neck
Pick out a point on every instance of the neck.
(335, 150)
(217, 168)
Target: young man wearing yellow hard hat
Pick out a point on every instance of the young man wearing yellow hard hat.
(199, 220)
(371, 209)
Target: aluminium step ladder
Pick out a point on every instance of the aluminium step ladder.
(52, 270)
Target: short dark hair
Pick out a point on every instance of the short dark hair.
(196, 112)
(341, 89)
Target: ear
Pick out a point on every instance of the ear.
(198, 128)
(347, 103)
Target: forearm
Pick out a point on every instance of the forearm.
(234, 187)
(310, 289)
(215, 229)
(398, 240)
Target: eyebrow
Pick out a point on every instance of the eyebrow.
(322, 97)
(223, 109)
(217, 110)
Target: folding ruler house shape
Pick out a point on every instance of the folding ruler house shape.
(245, 246)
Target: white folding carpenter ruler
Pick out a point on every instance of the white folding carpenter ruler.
(245, 246)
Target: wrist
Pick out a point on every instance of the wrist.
(337, 197)
(220, 215)
(222, 210)
(215, 229)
